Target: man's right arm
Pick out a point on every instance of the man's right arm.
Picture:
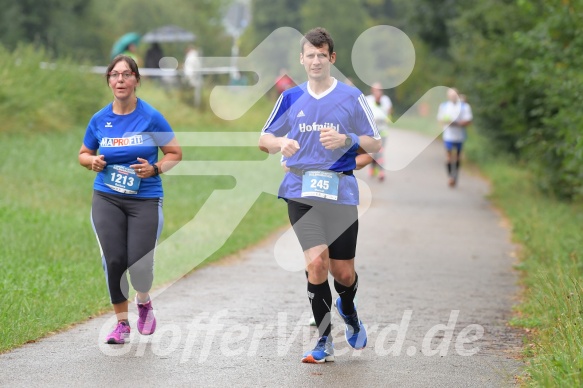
(271, 144)
(442, 116)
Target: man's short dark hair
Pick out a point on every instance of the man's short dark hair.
(318, 37)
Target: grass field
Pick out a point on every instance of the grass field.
(49, 258)
(550, 233)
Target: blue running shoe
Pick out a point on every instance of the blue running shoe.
(355, 331)
(324, 351)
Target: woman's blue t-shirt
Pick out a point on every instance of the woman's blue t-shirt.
(121, 139)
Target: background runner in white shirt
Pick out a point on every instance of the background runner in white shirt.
(382, 109)
(455, 115)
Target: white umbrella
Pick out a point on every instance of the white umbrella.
(168, 34)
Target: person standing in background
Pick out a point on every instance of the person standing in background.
(153, 56)
(192, 72)
(131, 51)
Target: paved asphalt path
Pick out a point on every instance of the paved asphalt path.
(436, 290)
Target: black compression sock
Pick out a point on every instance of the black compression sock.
(347, 295)
(321, 301)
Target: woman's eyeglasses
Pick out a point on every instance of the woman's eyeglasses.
(125, 74)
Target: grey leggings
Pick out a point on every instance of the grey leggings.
(127, 229)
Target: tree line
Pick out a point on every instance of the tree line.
(87, 29)
(517, 61)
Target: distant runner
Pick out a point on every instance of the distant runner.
(459, 113)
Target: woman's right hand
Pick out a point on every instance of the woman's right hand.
(98, 163)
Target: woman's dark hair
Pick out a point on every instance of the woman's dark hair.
(318, 37)
(129, 60)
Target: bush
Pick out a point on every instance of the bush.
(524, 74)
(50, 97)
(551, 59)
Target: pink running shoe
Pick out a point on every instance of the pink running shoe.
(119, 334)
(146, 320)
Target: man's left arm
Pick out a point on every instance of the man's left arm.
(364, 144)
(363, 160)
(369, 145)
(465, 117)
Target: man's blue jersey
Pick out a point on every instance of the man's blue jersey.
(299, 114)
(124, 138)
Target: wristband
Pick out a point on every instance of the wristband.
(355, 141)
(156, 170)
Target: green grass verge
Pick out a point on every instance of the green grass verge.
(550, 233)
(49, 258)
(51, 98)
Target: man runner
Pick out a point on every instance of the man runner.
(320, 126)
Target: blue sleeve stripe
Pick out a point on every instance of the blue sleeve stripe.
(273, 114)
(369, 116)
